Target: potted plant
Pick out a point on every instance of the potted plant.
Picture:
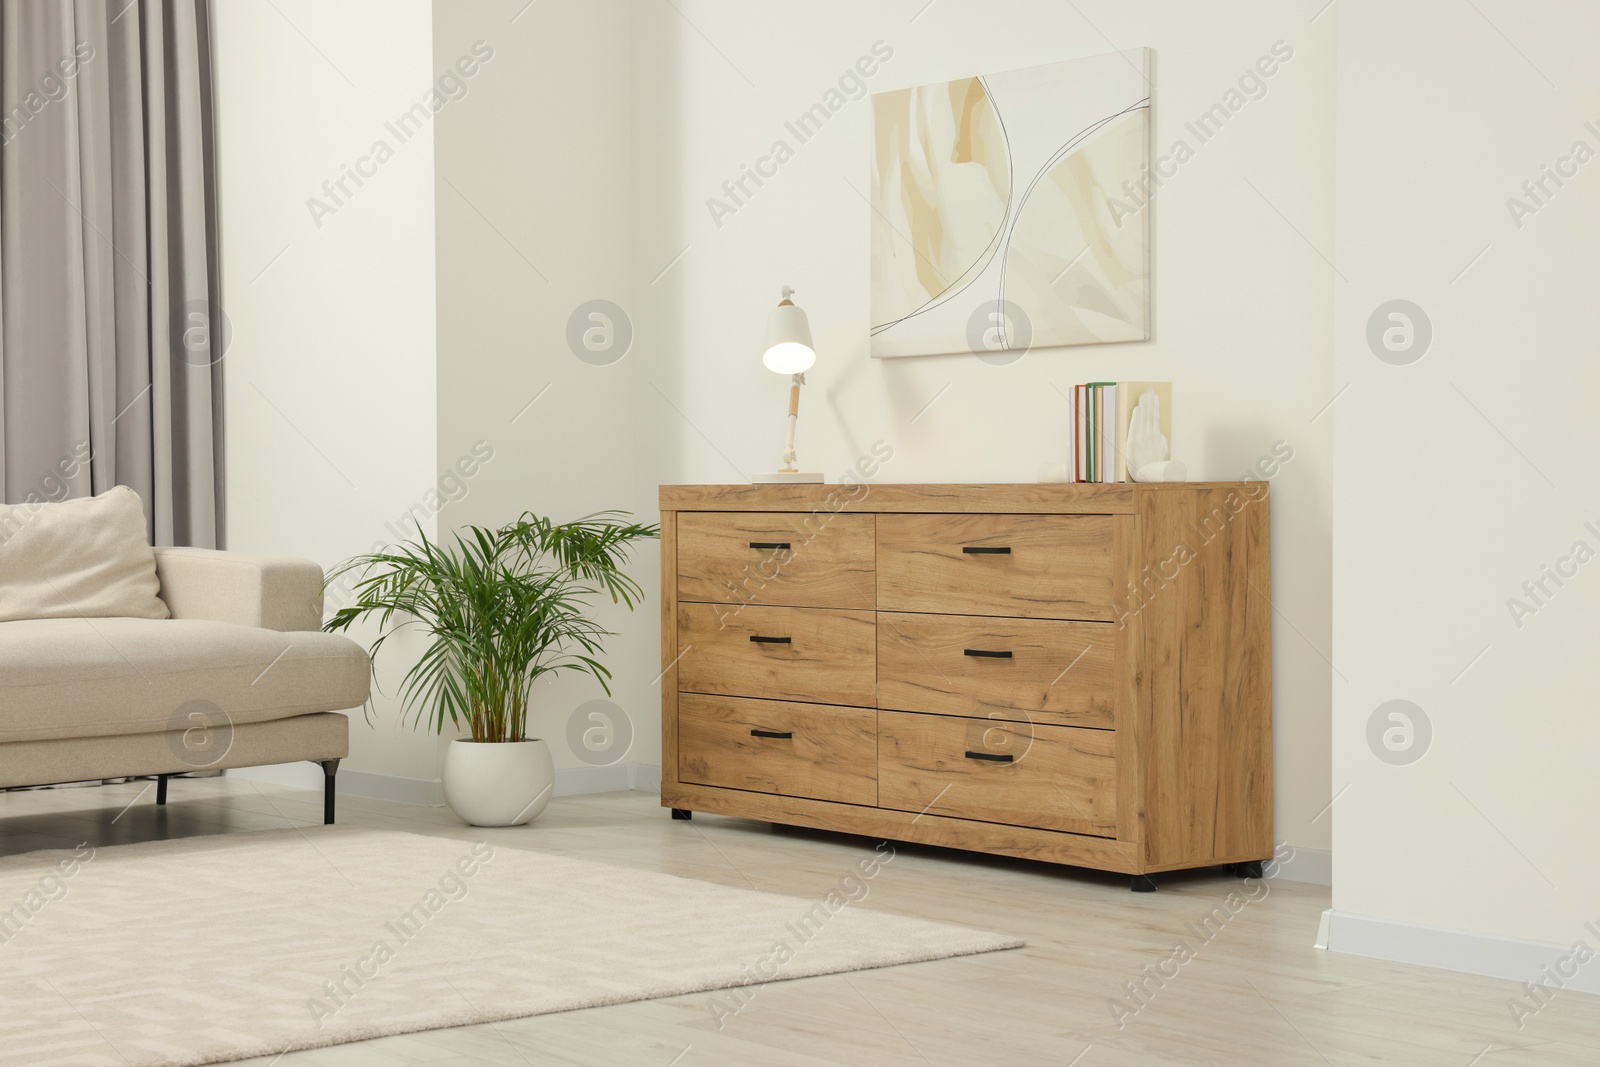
(501, 607)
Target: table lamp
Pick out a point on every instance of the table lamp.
(789, 351)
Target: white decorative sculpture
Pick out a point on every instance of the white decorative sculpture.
(1148, 449)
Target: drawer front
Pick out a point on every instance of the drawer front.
(1051, 777)
(796, 558)
(769, 746)
(1033, 566)
(819, 655)
(1028, 670)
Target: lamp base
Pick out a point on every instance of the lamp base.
(782, 477)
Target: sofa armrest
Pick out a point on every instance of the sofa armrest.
(269, 592)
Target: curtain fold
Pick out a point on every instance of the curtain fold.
(111, 334)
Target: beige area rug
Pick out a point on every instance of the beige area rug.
(249, 944)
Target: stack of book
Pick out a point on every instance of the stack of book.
(1097, 446)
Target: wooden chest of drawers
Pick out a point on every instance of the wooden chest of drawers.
(1073, 673)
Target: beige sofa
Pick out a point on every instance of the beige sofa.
(239, 676)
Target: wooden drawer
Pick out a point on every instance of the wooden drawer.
(1051, 777)
(1034, 566)
(1031, 670)
(819, 655)
(769, 746)
(794, 558)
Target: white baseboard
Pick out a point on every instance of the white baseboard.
(294, 775)
(426, 792)
(646, 777)
(423, 792)
(1322, 929)
(1313, 866)
(575, 781)
(1460, 950)
(429, 792)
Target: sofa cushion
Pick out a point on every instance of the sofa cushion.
(77, 559)
(98, 677)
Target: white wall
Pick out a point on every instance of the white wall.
(331, 398)
(576, 164)
(1462, 475)
(585, 151)
(535, 219)
(1243, 305)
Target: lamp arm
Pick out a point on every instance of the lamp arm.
(789, 457)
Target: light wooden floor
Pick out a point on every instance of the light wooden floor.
(1255, 991)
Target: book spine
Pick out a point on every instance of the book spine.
(1094, 435)
(1101, 417)
(1083, 428)
(1072, 441)
(1111, 433)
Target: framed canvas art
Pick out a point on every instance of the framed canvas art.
(1011, 211)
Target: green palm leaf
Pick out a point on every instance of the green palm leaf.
(500, 607)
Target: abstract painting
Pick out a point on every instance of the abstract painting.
(1010, 211)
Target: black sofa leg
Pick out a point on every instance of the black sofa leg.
(161, 789)
(330, 767)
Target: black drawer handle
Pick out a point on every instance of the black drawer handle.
(758, 639)
(983, 654)
(770, 544)
(779, 734)
(992, 757)
(986, 550)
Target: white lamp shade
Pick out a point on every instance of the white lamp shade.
(789, 348)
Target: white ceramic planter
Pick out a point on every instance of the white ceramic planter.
(502, 784)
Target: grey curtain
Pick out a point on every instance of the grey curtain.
(111, 334)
